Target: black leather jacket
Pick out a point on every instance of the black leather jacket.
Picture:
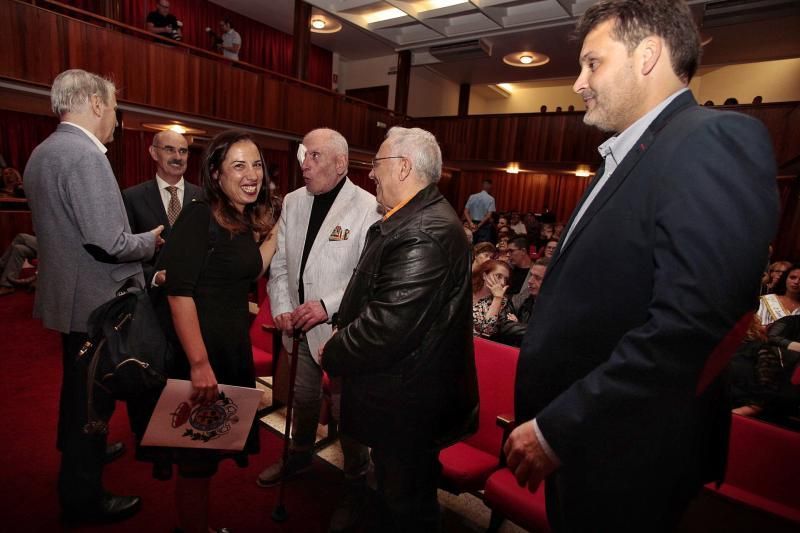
(404, 344)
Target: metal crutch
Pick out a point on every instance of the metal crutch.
(279, 514)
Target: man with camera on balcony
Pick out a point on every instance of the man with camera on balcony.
(163, 23)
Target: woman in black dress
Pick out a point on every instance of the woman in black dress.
(215, 251)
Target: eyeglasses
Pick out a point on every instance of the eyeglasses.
(172, 150)
(387, 157)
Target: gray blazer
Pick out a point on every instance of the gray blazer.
(86, 250)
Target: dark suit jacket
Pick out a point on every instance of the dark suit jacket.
(664, 262)
(146, 211)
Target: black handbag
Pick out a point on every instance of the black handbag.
(127, 354)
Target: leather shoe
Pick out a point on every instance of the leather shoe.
(298, 463)
(113, 452)
(348, 513)
(113, 509)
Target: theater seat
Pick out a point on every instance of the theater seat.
(466, 465)
(509, 500)
(266, 345)
(763, 468)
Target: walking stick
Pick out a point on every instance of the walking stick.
(279, 514)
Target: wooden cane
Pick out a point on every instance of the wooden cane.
(279, 514)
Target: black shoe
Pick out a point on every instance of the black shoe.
(349, 512)
(114, 451)
(113, 509)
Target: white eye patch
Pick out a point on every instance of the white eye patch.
(301, 153)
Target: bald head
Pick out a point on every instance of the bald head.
(325, 160)
(170, 151)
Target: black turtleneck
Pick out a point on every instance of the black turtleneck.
(319, 210)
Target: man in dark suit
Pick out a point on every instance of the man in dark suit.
(619, 405)
(86, 253)
(159, 201)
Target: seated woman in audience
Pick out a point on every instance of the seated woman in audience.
(549, 249)
(786, 299)
(489, 303)
(774, 274)
(762, 369)
(482, 252)
(215, 251)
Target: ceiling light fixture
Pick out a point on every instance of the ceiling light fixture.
(525, 59)
(583, 171)
(177, 128)
(322, 24)
(512, 168)
(384, 14)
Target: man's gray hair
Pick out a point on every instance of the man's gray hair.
(335, 139)
(421, 148)
(73, 88)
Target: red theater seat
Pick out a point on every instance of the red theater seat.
(466, 465)
(763, 468)
(266, 345)
(509, 500)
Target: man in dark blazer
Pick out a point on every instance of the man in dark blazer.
(619, 405)
(86, 253)
(159, 201)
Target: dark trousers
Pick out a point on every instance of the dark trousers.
(407, 484)
(576, 504)
(483, 233)
(80, 486)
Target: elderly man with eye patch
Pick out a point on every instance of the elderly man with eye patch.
(159, 201)
(320, 237)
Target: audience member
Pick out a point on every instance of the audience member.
(549, 248)
(517, 225)
(231, 40)
(490, 305)
(629, 313)
(531, 225)
(773, 275)
(478, 211)
(86, 253)
(761, 373)
(557, 230)
(403, 343)
(159, 201)
(214, 253)
(522, 303)
(482, 252)
(520, 260)
(320, 238)
(468, 231)
(784, 301)
(545, 234)
(163, 23)
(502, 222)
(12, 184)
(21, 248)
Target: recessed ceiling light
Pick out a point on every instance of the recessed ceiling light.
(322, 24)
(384, 14)
(525, 59)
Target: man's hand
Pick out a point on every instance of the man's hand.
(526, 458)
(160, 278)
(308, 315)
(157, 232)
(285, 323)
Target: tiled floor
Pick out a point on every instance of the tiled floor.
(461, 513)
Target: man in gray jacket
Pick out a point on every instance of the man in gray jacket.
(86, 253)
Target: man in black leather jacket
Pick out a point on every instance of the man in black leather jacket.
(404, 339)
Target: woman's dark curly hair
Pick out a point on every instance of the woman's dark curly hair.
(260, 216)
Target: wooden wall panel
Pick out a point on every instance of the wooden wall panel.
(177, 78)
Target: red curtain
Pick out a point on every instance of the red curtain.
(522, 192)
(262, 45)
(20, 134)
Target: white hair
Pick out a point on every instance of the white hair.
(421, 148)
(73, 88)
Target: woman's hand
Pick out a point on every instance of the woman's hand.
(204, 383)
(497, 288)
